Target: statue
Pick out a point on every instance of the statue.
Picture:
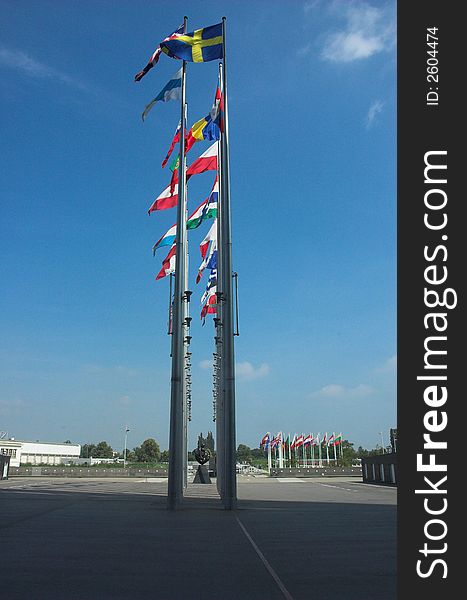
(202, 454)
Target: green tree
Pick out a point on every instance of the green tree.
(244, 453)
(103, 450)
(164, 456)
(88, 450)
(149, 451)
(210, 441)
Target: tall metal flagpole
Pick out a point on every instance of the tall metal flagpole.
(177, 395)
(228, 357)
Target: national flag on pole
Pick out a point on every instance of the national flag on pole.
(171, 91)
(210, 237)
(175, 140)
(331, 440)
(206, 162)
(209, 307)
(201, 45)
(167, 199)
(338, 439)
(207, 128)
(210, 262)
(265, 441)
(307, 440)
(211, 286)
(325, 439)
(166, 240)
(292, 445)
(206, 210)
(168, 264)
(154, 58)
(299, 441)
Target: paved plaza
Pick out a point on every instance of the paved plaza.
(300, 539)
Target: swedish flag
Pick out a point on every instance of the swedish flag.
(201, 45)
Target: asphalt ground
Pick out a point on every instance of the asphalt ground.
(299, 539)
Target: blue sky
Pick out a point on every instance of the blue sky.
(312, 96)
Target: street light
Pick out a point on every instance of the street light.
(382, 442)
(124, 450)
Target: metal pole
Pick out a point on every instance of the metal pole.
(177, 396)
(382, 442)
(124, 450)
(228, 356)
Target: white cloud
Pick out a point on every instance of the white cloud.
(20, 61)
(205, 364)
(247, 372)
(334, 390)
(390, 366)
(375, 108)
(368, 30)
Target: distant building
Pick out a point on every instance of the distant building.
(36, 453)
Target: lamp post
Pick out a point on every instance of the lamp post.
(124, 450)
(382, 442)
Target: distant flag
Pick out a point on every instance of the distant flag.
(207, 128)
(325, 439)
(338, 439)
(154, 58)
(307, 440)
(210, 237)
(206, 162)
(299, 441)
(171, 91)
(331, 440)
(212, 283)
(292, 445)
(202, 45)
(206, 210)
(167, 199)
(265, 441)
(209, 307)
(210, 262)
(175, 140)
(168, 264)
(166, 240)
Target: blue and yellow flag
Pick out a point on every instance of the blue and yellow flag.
(201, 45)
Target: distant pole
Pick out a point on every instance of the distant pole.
(382, 442)
(269, 457)
(228, 355)
(177, 445)
(124, 449)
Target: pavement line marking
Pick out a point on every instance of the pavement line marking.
(274, 575)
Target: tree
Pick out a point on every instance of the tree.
(88, 450)
(164, 456)
(149, 451)
(244, 453)
(210, 441)
(103, 450)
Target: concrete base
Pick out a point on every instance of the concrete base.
(202, 475)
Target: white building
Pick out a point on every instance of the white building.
(36, 453)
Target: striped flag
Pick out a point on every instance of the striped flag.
(154, 58)
(206, 210)
(166, 240)
(167, 199)
(175, 140)
(171, 91)
(168, 264)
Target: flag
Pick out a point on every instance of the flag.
(338, 439)
(168, 264)
(307, 440)
(292, 445)
(210, 237)
(175, 140)
(210, 262)
(166, 240)
(167, 199)
(331, 440)
(209, 307)
(171, 91)
(207, 128)
(206, 162)
(201, 45)
(206, 210)
(325, 439)
(265, 441)
(154, 58)
(299, 441)
(212, 283)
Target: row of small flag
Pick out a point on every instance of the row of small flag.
(300, 440)
(202, 45)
